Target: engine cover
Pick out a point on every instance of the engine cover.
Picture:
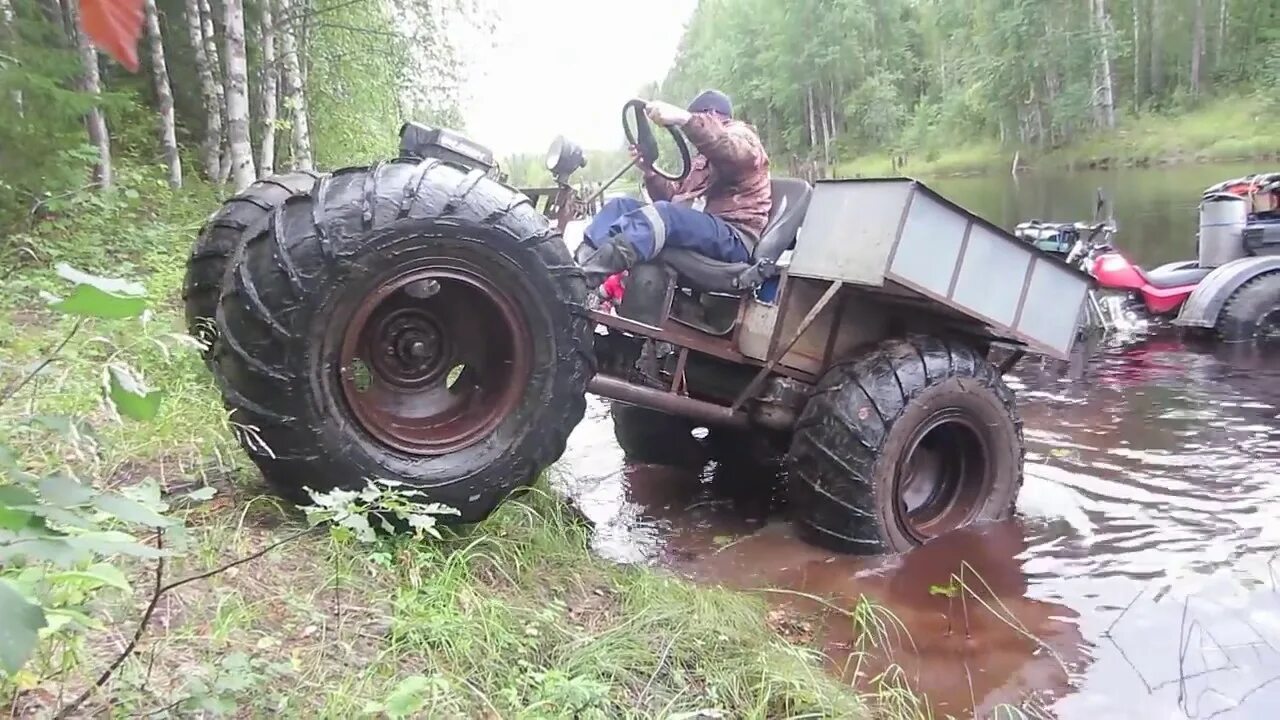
(419, 142)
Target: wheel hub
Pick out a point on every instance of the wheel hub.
(415, 351)
(943, 479)
(410, 341)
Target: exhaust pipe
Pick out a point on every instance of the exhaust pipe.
(618, 389)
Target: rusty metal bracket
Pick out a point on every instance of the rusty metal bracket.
(781, 352)
(1010, 361)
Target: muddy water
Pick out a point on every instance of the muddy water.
(1139, 578)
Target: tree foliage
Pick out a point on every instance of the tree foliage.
(826, 78)
(364, 67)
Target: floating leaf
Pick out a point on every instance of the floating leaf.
(20, 629)
(130, 511)
(944, 590)
(64, 490)
(100, 297)
(130, 397)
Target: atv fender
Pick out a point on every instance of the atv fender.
(1201, 310)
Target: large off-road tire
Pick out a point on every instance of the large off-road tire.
(650, 437)
(1253, 312)
(412, 322)
(913, 439)
(218, 240)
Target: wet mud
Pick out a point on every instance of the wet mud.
(1137, 580)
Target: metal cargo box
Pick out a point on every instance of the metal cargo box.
(895, 235)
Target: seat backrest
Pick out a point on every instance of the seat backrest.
(790, 202)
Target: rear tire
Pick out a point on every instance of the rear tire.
(859, 477)
(412, 322)
(1253, 312)
(218, 240)
(650, 437)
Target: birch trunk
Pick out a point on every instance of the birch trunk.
(209, 147)
(6, 30)
(1218, 47)
(1105, 92)
(243, 172)
(91, 83)
(164, 95)
(210, 37)
(270, 84)
(1156, 44)
(295, 99)
(1197, 46)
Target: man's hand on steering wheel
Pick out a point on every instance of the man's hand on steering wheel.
(666, 114)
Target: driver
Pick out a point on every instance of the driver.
(729, 178)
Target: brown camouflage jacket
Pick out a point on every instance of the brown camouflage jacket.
(730, 170)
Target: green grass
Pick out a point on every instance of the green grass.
(1229, 128)
(513, 618)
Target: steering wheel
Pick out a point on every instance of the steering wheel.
(644, 141)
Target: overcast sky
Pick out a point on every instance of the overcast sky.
(567, 66)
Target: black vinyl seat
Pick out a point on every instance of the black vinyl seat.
(1176, 274)
(702, 274)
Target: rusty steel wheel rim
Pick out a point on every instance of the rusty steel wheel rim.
(944, 478)
(434, 358)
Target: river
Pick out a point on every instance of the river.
(1139, 576)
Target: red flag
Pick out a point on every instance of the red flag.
(114, 27)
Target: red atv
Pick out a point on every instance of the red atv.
(1231, 288)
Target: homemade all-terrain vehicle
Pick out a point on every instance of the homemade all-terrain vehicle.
(419, 321)
(1232, 288)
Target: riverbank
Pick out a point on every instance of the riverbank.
(512, 618)
(1228, 129)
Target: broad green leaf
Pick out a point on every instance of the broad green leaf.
(8, 460)
(13, 519)
(115, 543)
(19, 631)
(407, 698)
(64, 491)
(130, 397)
(130, 511)
(60, 551)
(15, 497)
(100, 297)
(95, 576)
(203, 494)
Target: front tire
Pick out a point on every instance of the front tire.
(914, 439)
(1253, 312)
(411, 322)
(217, 242)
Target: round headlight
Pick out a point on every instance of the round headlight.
(564, 157)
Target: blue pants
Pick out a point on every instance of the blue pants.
(649, 228)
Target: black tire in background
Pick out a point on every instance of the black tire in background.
(440, 258)
(913, 439)
(217, 242)
(650, 437)
(1253, 312)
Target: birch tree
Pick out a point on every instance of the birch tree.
(210, 147)
(164, 97)
(91, 84)
(270, 86)
(238, 143)
(295, 99)
(210, 40)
